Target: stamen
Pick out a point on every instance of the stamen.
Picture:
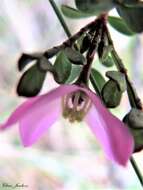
(75, 106)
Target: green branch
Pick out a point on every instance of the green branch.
(59, 15)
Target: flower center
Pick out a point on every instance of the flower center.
(75, 106)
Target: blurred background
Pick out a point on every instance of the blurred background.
(67, 157)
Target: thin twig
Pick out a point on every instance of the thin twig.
(70, 41)
(136, 169)
(73, 38)
(59, 15)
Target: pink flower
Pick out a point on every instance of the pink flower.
(37, 114)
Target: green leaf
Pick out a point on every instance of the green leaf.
(62, 68)
(74, 56)
(44, 64)
(120, 25)
(108, 62)
(85, 43)
(131, 3)
(132, 16)
(94, 6)
(31, 82)
(26, 59)
(111, 94)
(98, 79)
(134, 120)
(75, 72)
(119, 78)
(74, 13)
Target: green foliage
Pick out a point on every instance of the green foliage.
(85, 44)
(111, 94)
(120, 25)
(62, 68)
(98, 79)
(132, 16)
(44, 64)
(132, 3)
(24, 60)
(74, 13)
(119, 78)
(131, 13)
(31, 82)
(94, 6)
(74, 56)
(108, 62)
(75, 72)
(134, 120)
(104, 50)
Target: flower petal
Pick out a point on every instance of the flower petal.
(18, 113)
(113, 135)
(38, 114)
(33, 125)
(27, 106)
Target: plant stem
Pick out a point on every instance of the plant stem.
(60, 17)
(68, 33)
(136, 169)
(86, 71)
(135, 101)
(69, 42)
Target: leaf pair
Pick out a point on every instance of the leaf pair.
(132, 16)
(131, 12)
(67, 65)
(33, 78)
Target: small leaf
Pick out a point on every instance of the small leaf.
(74, 56)
(120, 25)
(74, 13)
(134, 120)
(103, 51)
(86, 42)
(133, 17)
(119, 78)
(31, 82)
(96, 6)
(132, 3)
(75, 72)
(108, 62)
(62, 68)
(26, 59)
(111, 94)
(98, 79)
(44, 64)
